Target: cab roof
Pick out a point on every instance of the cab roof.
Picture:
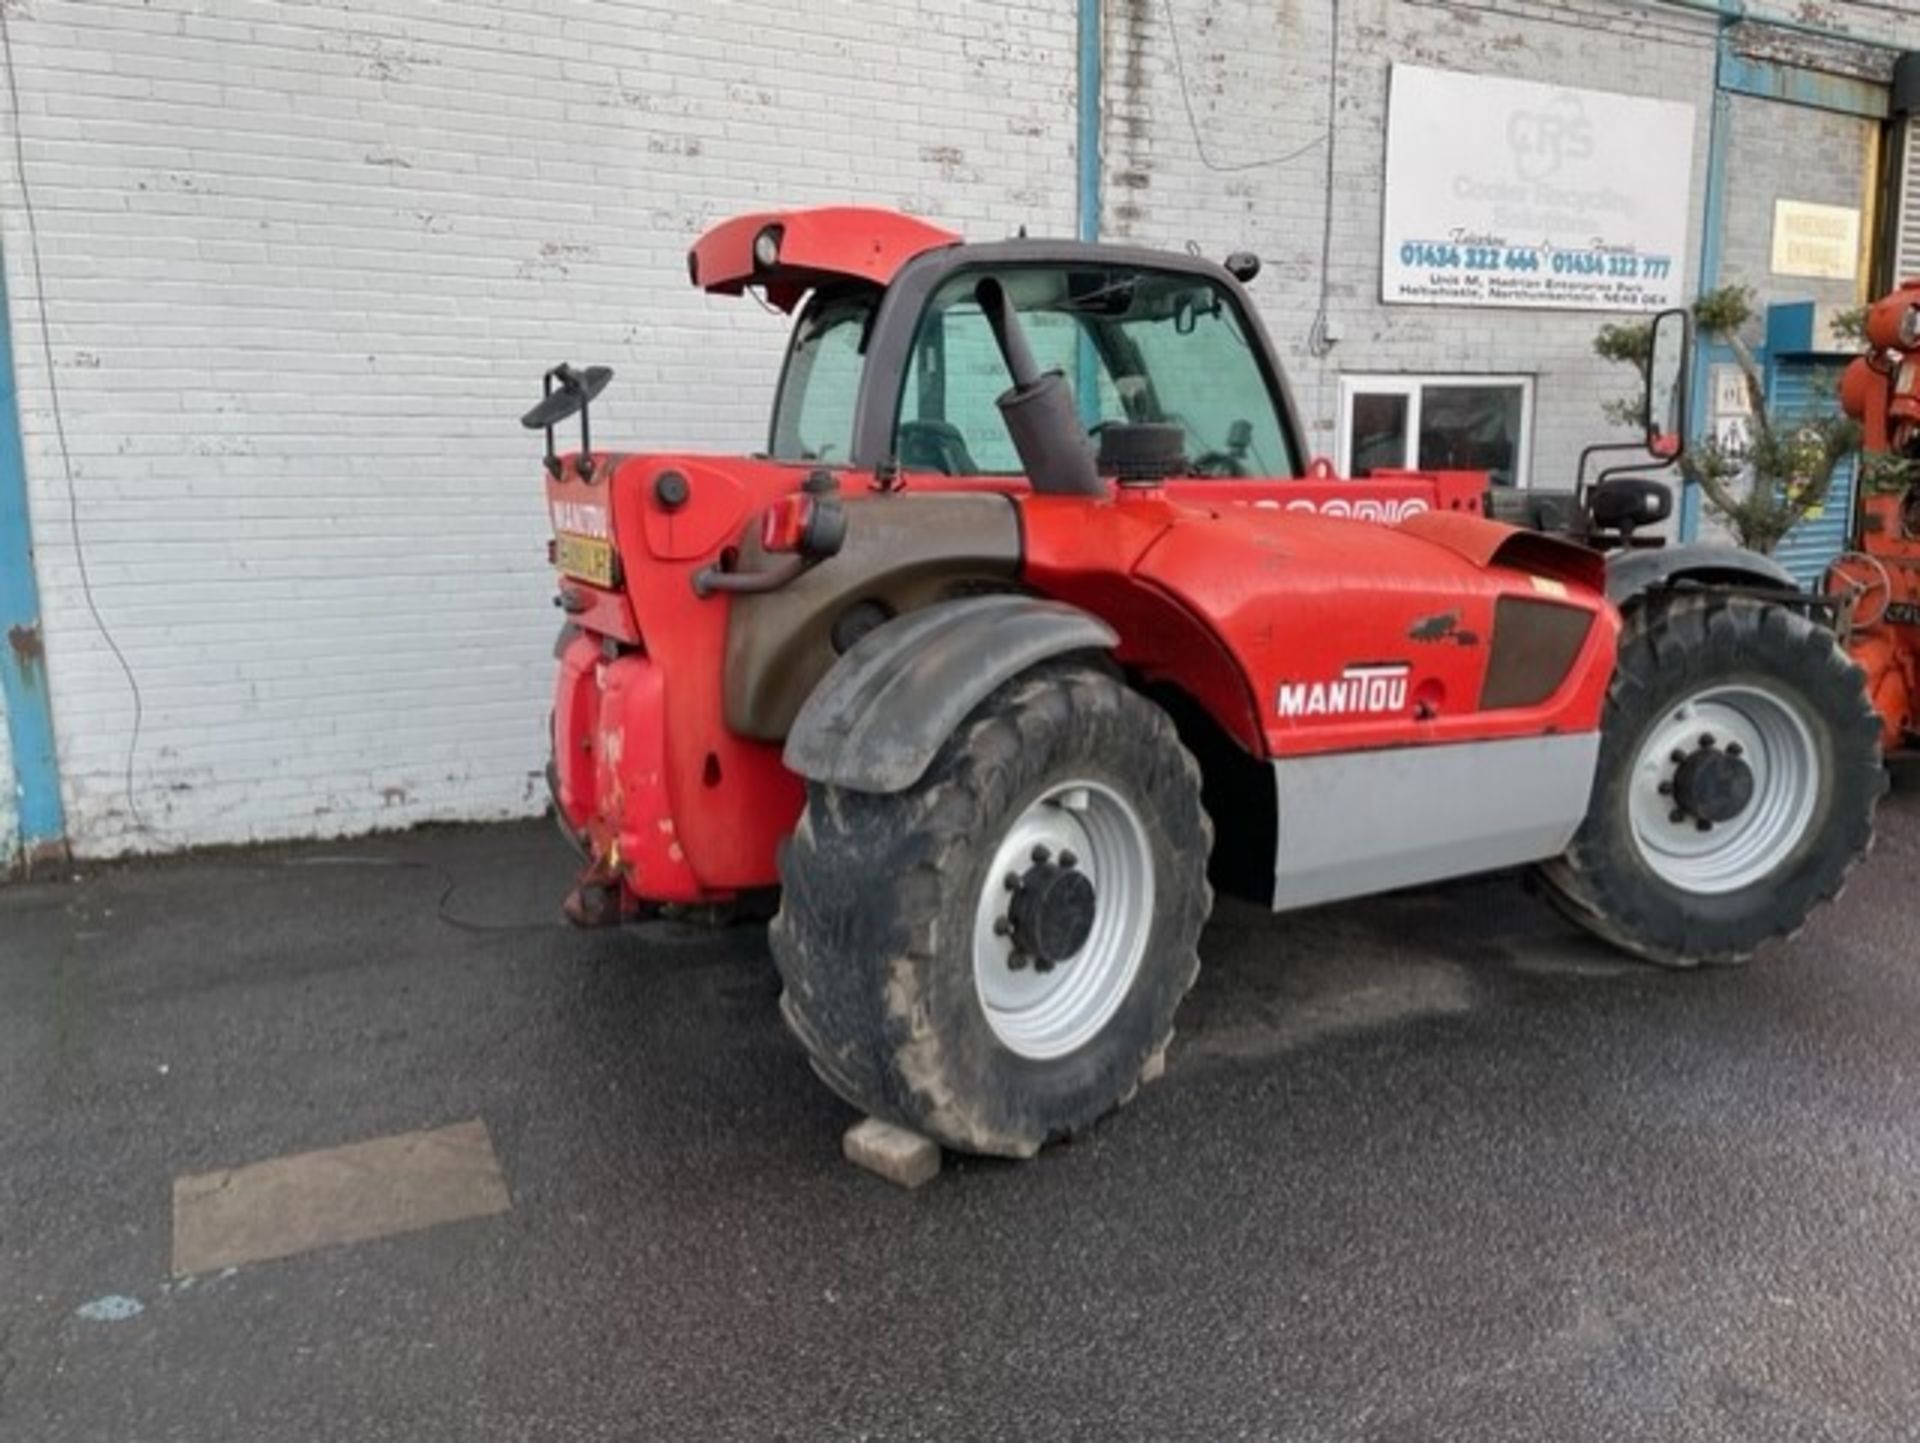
(826, 243)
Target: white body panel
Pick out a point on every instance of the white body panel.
(1356, 823)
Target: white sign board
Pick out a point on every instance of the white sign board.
(1818, 241)
(1508, 193)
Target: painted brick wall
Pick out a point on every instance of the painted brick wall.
(1782, 152)
(304, 265)
(1256, 79)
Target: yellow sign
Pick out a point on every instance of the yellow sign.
(1819, 241)
(584, 557)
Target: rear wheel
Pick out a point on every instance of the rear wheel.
(993, 956)
(1739, 770)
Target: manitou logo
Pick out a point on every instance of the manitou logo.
(580, 519)
(1361, 691)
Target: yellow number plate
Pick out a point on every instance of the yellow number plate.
(584, 557)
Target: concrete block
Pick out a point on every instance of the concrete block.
(902, 1157)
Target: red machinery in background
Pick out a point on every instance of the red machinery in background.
(1880, 578)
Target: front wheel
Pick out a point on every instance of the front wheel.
(993, 956)
(1738, 775)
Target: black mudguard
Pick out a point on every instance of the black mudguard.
(876, 720)
(1632, 574)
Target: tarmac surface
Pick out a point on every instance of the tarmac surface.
(1432, 1166)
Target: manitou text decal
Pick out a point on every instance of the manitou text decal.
(581, 519)
(1360, 691)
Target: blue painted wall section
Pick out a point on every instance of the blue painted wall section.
(23, 656)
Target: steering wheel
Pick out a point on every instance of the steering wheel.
(1840, 582)
(1218, 465)
(935, 446)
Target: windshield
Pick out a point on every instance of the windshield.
(1138, 345)
(813, 416)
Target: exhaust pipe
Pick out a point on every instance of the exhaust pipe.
(1039, 409)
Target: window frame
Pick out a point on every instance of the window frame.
(1413, 385)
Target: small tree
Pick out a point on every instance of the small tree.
(1760, 483)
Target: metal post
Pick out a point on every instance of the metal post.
(23, 663)
(1086, 372)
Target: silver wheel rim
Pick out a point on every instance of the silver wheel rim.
(1775, 743)
(1046, 1014)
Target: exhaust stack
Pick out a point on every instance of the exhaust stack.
(1038, 409)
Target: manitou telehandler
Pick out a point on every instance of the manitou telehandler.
(1878, 581)
(1032, 605)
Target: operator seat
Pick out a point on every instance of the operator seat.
(934, 446)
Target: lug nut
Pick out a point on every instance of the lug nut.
(1734, 749)
(1002, 927)
(1677, 816)
(1703, 825)
(1041, 855)
(1666, 789)
(1706, 741)
(1677, 757)
(1068, 860)
(1013, 881)
(1017, 961)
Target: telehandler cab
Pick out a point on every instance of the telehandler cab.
(1033, 605)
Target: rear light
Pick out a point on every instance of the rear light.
(784, 525)
(766, 248)
(811, 526)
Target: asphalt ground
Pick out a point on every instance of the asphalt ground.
(1423, 1167)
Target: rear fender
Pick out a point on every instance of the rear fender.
(878, 717)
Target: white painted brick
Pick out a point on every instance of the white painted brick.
(304, 266)
(316, 260)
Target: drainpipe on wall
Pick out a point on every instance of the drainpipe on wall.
(1712, 237)
(23, 659)
(1087, 156)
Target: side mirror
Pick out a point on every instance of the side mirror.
(1623, 504)
(1669, 368)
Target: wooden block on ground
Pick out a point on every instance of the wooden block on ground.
(892, 1152)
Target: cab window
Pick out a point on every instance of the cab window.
(813, 415)
(1136, 345)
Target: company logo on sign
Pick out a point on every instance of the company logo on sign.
(1544, 140)
(581, 519)
(1360, 691)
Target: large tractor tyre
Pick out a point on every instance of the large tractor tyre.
(993, 956)
(1739, 770)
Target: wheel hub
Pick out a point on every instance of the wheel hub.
(1724, 787)
(1062, 917)
(1713, 784)
(1051, 914)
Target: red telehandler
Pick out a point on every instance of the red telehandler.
(1879, 580)
(980, 666)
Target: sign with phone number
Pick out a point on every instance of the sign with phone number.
(1508, 193)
